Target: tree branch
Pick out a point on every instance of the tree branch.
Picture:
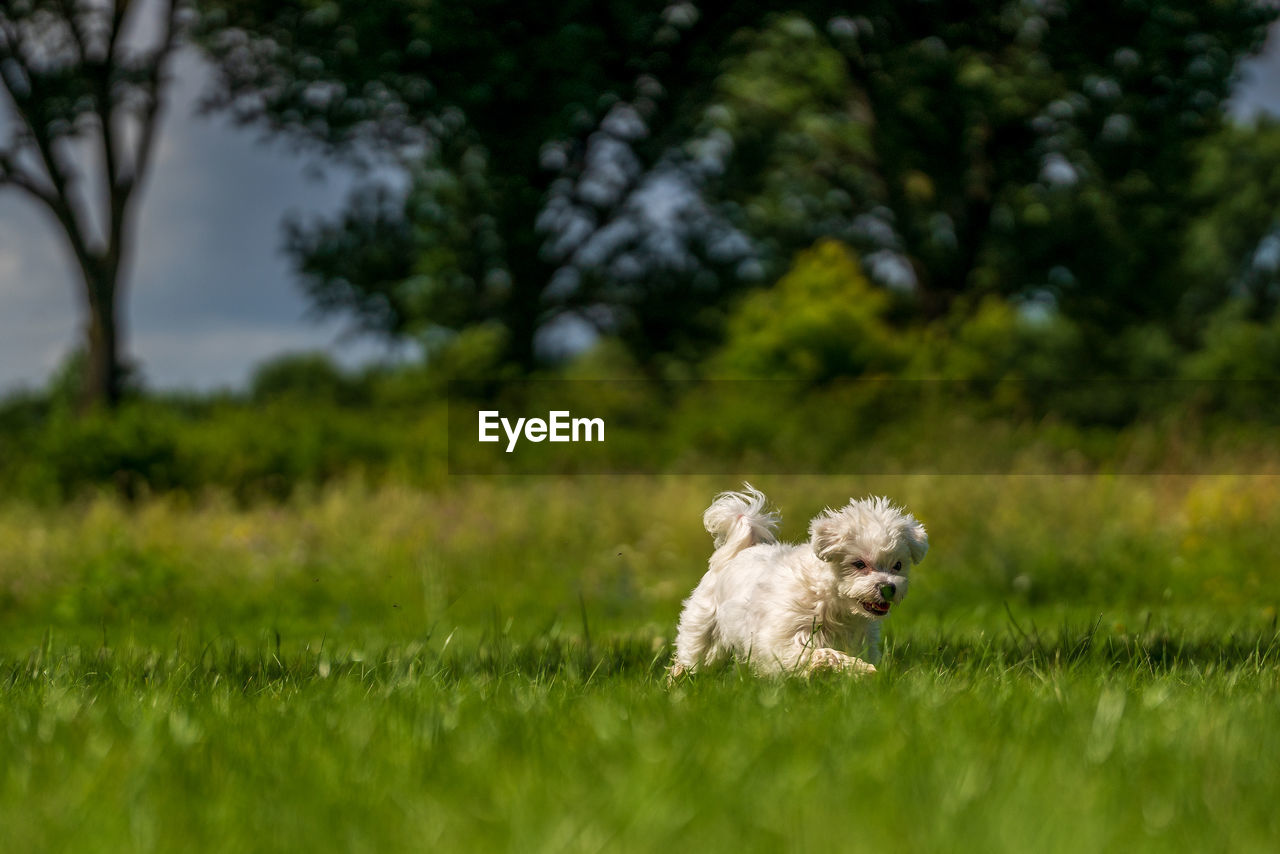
(12, 176)
(155, 73)
(23, 98)
(122, 180)
(12, 51)
(68, 10)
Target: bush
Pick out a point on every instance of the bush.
(134, 449)
(1237, 368)
(305, 376)
(1237, 347)
(822, 320)
(260, 451)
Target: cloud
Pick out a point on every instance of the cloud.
(226, 355)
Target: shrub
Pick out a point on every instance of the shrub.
(304, 376)
(822, 320)
(1237, 367)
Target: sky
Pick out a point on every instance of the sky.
(210, 294)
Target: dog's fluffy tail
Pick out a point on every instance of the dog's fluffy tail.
(739, 520)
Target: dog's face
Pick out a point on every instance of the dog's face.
(871, 546)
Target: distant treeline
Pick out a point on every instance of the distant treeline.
(837, 386)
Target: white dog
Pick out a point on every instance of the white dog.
(796, 608)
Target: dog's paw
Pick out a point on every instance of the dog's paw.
(675, 673)
(831, 659)
(827, 659)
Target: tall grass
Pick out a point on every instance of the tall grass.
(393, 560)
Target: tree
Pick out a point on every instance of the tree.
(639, 166)
(492, 108)
(464, 96)
(81, 97)
(1050, 148)
(1233, 247)
(1021, 150)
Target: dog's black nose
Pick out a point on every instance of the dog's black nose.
(887, 590)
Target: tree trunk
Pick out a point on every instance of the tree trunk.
(103, 384)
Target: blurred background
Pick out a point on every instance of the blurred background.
(328, 210)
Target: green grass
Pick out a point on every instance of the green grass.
(1084, 664)
(1080, 742)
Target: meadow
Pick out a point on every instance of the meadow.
(1084, 663)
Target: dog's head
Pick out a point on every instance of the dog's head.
(871, 545)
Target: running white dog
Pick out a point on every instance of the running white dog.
(797, 608)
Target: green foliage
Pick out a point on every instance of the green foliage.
(358, 264)
(1237, 347)
(852, 388)
(1013, 150)
(1233, 248)
(1051, 147)
(822, 320)
(1239, 364)
(65, 388)
(131, 449)
(307, 378)
(823, 323)
(803, 159)
(997, 341)
(474, 354)
(268, 450)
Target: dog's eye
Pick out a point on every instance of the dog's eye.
(897, 567)
(860, 564)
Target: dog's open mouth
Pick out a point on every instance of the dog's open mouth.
(877, 608)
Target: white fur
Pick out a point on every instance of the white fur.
(795, 608)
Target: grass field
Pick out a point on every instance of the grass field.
(1085, 663)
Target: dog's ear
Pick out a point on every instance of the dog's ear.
(917, 540)
(825, 534)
